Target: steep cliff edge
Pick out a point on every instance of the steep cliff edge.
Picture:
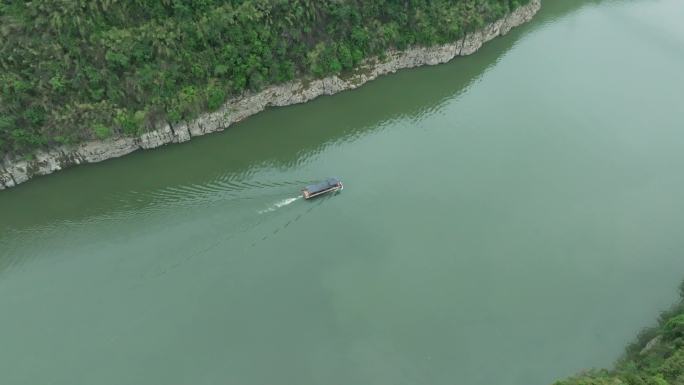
(16, 171)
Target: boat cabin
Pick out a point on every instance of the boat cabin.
(328, 185)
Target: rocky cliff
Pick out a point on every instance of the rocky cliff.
(15, 171)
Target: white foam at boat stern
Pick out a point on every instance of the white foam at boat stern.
(280, 204)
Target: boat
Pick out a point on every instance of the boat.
(327, 186)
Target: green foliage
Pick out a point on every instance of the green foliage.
(57, 84)
(70, 68)
(101, 131)
(657, 358)
(215, 97)
(130, 123)
(674, 327)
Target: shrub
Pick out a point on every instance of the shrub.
(101, 131)
(130, 123)
(215, 97)
(674, 328)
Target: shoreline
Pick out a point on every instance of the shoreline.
(656, 357)
(16, 171)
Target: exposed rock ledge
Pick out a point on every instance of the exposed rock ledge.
(15, 171)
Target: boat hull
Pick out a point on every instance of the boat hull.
(313, 194)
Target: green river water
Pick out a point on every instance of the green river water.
(511, 217)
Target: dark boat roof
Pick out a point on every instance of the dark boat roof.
(326, 184)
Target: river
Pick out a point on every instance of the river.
(511, 217)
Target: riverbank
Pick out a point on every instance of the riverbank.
(656, 358)
(15, 171)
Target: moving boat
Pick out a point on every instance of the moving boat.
(328, 185)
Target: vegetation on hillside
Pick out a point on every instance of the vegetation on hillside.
(657, 358)
(72, 70)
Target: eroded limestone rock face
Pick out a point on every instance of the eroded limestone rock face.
(157, 138)
(15, 171)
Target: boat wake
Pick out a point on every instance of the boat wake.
(282, 203)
